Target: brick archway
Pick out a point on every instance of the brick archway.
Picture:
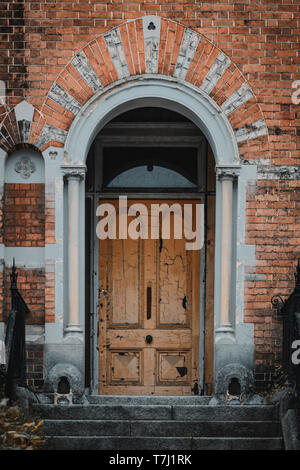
(145, 59)
(145, 46)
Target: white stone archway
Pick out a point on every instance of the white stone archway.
(199, 108)
(152, 90)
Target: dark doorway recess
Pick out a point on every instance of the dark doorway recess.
(152, 148)
(119, 159)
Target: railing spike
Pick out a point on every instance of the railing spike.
(13, 276)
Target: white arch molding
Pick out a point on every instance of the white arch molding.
(158, 91)
(197, 106)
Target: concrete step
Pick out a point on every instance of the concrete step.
(158, 412)
(162, 428)
(148, 400)
(160, 423)
(163, 443)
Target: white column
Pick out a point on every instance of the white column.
(226, 175)
(73, 174)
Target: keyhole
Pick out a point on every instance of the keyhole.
(149, 339)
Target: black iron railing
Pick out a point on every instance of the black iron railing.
(289, 311)
(15, 340)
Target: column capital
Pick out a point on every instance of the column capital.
(228, 171)
(74, 170)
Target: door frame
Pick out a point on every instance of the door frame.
(115, 329)
(94, 196)
(231, 181)
(94, 283)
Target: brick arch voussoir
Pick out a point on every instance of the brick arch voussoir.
(18, 127)
(150, 45)
(9, 132)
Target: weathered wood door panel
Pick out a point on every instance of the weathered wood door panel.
(148, 312)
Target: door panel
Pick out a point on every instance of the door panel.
(174, 279)
(124, 273)
(124, 366)
(148, 313)
(173, 367)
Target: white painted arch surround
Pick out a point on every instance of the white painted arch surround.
(158, 91)
(197, 106)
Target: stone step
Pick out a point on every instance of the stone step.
(162, 428)
(158, 412)
(163, 443)
(148, 400)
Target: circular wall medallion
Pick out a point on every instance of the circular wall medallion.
(25, 167)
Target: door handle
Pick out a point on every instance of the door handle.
(184, 302)
(149, 302)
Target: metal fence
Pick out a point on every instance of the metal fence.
(289, 311)
(15, 340)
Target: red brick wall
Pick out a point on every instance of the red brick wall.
(1, 218)
(273, 215)
(12, 45)
(35, 366)
(50, 215)
(31, 284)
(50, 292)
(262, 40)
(24, 226)
(24, 206)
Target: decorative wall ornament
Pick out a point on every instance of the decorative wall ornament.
(53, 155)
(230, 171)
(151, 26)
(151, 34)
(25, 167)
(69, 170)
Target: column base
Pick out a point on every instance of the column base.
(65, 360)
(73, 332)
(225, 333)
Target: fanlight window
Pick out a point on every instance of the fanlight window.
(150, 176)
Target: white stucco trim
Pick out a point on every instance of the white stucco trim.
(152, 90)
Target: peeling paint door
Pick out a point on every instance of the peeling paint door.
(148, 311)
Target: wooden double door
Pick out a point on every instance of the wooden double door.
(149, 311)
